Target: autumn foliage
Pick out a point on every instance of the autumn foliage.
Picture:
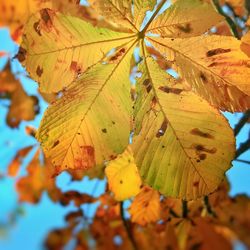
(135, 91)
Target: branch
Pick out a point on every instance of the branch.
(243, 148)
(242, 122)
(244, 161)
(127, 227)
(230, 22)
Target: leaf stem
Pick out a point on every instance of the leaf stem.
(230, 22)
(152, 17)
(208, 207)
(127, 227)
(184, 209)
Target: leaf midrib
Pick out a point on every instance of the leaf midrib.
(82, 45)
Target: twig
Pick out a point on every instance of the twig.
(243, 148)
(244, 161)
(184, 209)
(230, 22)
(173, 213)
(208, 207)
(242, 122)
(127, 227)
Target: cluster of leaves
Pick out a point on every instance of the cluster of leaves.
(162, 137)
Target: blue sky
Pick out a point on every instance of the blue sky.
(32, 227)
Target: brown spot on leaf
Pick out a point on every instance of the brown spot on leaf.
(46, 22)
(86, 159)
(46, 16)
(166, 89)
(36, 27)
(214, 52)
(55, 143)
(186, 28)
(162, 129)
(121, 182)
(202, 157)
(213, 64)
(39, 71)
(74, 66)
(198, 132)
(104, 130)
(203, 77)
(21, 55)
(196, 183)
(118, 54)
(147, 84)
(200, 148)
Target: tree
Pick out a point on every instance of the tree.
(138, 99)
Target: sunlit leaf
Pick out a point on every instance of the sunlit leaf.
(184, 145)
(56, 48)
(185, 18)
(214, 66)
(123, 177)
(117, 11)
(91, 122)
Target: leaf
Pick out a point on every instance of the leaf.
(91, 122)
(234, 213)
(185, 18)
(214, 66)
(140, 9)
(15, 15)
(56, 48)
(203, 233)
(184, 145)
(123, 177)
(37, 180)
(118, 12)
(22, 107)
(34, 182)
(145, 208)
(15, 164)
(245, 44)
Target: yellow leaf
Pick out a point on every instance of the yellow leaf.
(123, 177)
(214, 66)
(56, 48)
(119, 12)
(145, 208)
(91, 122)
(184, 145)
(185, 18)
(140, 9)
